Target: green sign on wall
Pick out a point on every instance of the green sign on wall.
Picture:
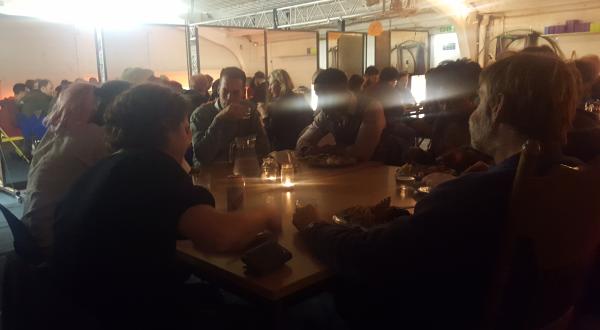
(447, 28)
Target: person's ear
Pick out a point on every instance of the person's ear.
(498, 109)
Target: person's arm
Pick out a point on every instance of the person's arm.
(263, 146)
(209, 135)
(311, 136)
(223, 232)
(354, 252)
(369, 133)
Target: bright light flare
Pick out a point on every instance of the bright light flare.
(111, 14)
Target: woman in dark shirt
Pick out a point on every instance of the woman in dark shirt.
(287, 114)
(117, 227)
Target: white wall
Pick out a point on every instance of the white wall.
(159, 48)
(220, 47)
(292, 57)
(32, 49)
(582, 45)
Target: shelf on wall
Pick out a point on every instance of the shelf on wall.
(570, 34)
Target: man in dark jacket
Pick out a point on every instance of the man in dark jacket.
(432, 270)
(215, 125)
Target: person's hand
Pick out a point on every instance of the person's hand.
(235, 111)
(304, 216)
(262, 109)
(273, 216)
(436, 178)
(477, 167)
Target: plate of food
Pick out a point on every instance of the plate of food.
(419, 171)
(327, 160)
(369, 216)
(424, 189)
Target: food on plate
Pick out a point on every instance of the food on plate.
(369, 216)
(327, 160)
(419, 171)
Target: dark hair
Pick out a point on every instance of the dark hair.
(371, 71)
(260, 74)
(389, 74)
(143, 116)
(233, 73)
(540, 50)
(355, 83)
(43, 83)
(106, 94)
(215, 89)
(332, 77)
(453, 79)
(19, 88)
(595, 93)
(30, 84)
(539, 95)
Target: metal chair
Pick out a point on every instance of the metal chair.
(548, 246)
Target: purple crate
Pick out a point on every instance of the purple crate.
(570, 26)
(585, 27)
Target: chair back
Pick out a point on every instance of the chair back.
(23, 241)
(549, 244)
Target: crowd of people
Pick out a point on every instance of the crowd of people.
(109, 193)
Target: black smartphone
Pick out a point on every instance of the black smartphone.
(265, 257)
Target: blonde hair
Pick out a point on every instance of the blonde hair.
(75, 105)
(284, 80)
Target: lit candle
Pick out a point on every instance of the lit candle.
(287, 175)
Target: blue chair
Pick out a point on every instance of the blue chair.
(25, 245)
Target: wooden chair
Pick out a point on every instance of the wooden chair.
(549, 244)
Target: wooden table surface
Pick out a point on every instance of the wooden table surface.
(331, 190)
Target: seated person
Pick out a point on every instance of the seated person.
(432, 270)
(288, 113)
(116, 229)
(355, 83)
(371, 77)
(8, 111)
(198, 94)
(397, 137)
(356, 122)
(215, 125)
(74, 142)
(452, 91)
(406, 97)
(584, 137)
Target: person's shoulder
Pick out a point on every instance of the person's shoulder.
(205, 110)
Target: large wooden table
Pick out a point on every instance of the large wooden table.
(331, 189)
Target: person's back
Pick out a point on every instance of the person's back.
(71, 145)
(58, 161)
(287, 118)
(117, 227)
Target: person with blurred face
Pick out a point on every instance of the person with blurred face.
(439, 260)
(287, 113)
(356, 122)
(215, 125)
